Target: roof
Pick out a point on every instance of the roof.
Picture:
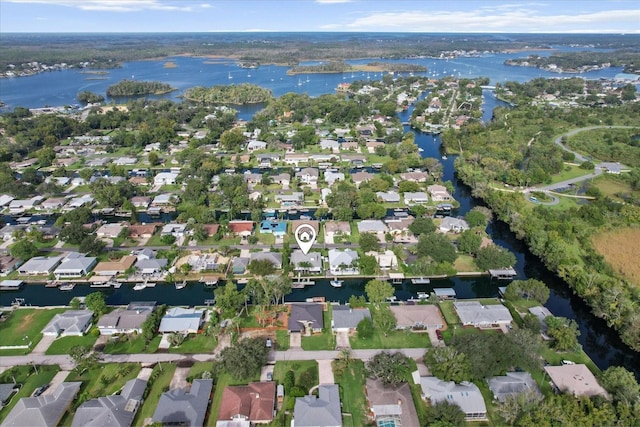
(45, 410)
(474, 313)
(337, 226)
(338, 257)
(126, 319)
(68, 322)
(444, 292)
(372, 226)
(274, 257)
(449, 223)
(156, 263)
(40, 264)
(179, 407)
(116, 410)
(346, 317)
(389, 401)
(512, 383)
(240, 226)
(466, 395)
(303, 312)
(323, 411)
(255, 401)
(83, 264)
(179, 319)
(313, 258)
(417, 315)
(6, 390)
(121, 266)
(575, 379)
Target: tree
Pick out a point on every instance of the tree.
(621, 385)
(232, 139)
(390, 368)
(261, 267)
(469, 242)
(528, 289)
(564, 332)
(437, 246)
(365, 329)
(476, 219)
(378, 290)
(422, 225)
(448, 364)
(369, 242)
(245, 358)
(91, 245)
(444, 414)
(493, 256)
(24, 249)
(153, 158)
(229, 299)
(384, 319)
(84, 358)
(95, 302)
(357, 301)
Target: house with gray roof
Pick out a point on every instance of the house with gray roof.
(75, 265)
(466, 395)
(178, 407)
(343, 262)
(6, 391)
(331, 176)
(472, 313)
(374, 226)
(126, 320)
(306, 263)
(307, 175)
(346, 319)
(391, 406)
(116, 410)
(46, 410)
(150, 266)
(389, 196)
(456, 225)
(69, 323)
(183, 320)
(40, 265)
(511, 384)
(274, 257)
(305, 313)
(322, 411)
(415, 198)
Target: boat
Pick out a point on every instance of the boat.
(336, 283)
(181, 285)
(150, 285)
(421, 281)
(444, 157)
(100, 285)
(139, 286)
(423, 295)
(230, 76)
(116, 285)
(67, 287)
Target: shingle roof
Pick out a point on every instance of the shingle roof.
(42, 411)
(466, 395)
(178, 407)
(255, 401)
(180, 319)
(301, 312)
(512, 383)
(116, 410)
(323, 411)
(69, 322)
(346, 317)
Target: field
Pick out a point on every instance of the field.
(620, 249)
(24, 326)
(615, 187)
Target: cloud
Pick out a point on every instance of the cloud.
(113, 5)
(506, 19)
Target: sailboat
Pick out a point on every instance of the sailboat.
(230, 76)
(299, 82)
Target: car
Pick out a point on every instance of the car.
(439, 334)
(269, 376)
(269, 343)
(41, 390)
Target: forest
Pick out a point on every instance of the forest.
(135, 87)
(629, 59)
(244, 93)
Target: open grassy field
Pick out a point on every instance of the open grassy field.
(24, 326)
(132, 345)
(64, 344)
(620, 249)
(614, 186)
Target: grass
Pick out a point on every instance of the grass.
(155, 390)
(63, 345)
(282, 339)
(352, 394)
(24, 326)
(395, 339)
(30, 380)
(465, 263)
(569, 172)
(196, 343)
(132, 346)
(612, 186)
(323, 341)
(449, 313)
(298, 367)
(199, 367)
(619, 248)
(554, 357)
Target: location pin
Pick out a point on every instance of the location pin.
(305, 235)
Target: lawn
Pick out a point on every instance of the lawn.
(63, 345)
(30, 380)
(24, 326)
(298, 367)
(323, 341)
(465, 263)
(395, 339)
(282, 339)
(198, 368)
(611, 186)
(449, 313)
(155, 389)
(569, 172)
(131, 345)
(196, 343)
(352, 394)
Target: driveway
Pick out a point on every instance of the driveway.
(55, 382)
(44, 344)
(265, 370)
(325, 372)
(179, 379)
(435, 342)
(295, 340)
(342, 340)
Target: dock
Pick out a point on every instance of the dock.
(503, 273)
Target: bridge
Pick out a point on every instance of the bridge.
(488, 87)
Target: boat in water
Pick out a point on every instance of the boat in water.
(336, 283)
(181, 285)
(421, 281)
(67, 287)
(139, 286)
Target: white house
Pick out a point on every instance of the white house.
(165, 178)
(308, 175)
(255, 145)
(457, 225)
(69, 323)
(75, 265)
(415, 198)
(343, 262)
(439, 193)
(482, 316)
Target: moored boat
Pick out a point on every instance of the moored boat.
(421, 281)
(67, 287)
(336, 283)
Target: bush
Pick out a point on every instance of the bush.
(365, 329)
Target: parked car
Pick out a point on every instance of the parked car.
(269, 343)
(439, 334)
(41, 390)
(269, 376)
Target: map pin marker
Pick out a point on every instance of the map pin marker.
(305, 235)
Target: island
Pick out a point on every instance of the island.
(135, 88)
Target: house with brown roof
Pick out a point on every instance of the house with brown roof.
(113, 268)
(137, 231)
(241, 228)
(439, 193)
(254, 403)
(575, 379)
(391, 405)
(141, 202)
(417, 316)
(361, 177)
(333, 229)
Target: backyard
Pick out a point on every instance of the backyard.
(23, 327)
(164, 373)
(352, 393)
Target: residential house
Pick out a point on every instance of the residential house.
(255, 145)
(361, 177)
(296, 159)
(322, 411)
(305, 317)
(415, 198)
(40, 265)
(575, 379)
(116, 410)
(346, 319)
(439, 193)
(330, 144)
(308, 176)
(324, 158)
(417, 316)
(109, 230)
(5, 199)
(310, 263)
(343, 262)
(126, 320)
(143, 254)
(372, 145)
(541, 313)
(512, 384)
(8, 231)
(456, 225)
(141, 202)
(271, 226)
(293, 199)
(69, 323)
(75, 265)
(416, 176)
(165, 178)
(178, 407)
(80, 201)
(386, 260)
(182, 320)
(333, 229)
(241, 228)
(331, 176)
(137, 231)
(114, 268)
(391, 405)
(240, 265)
(274, 258)
(175, 230)
(43, 411)
(388, 196)
(125, 161)
(397, 225)
(19, 206)
(53, 203)
(203, 262)
(284, 179)
(8, 264)
(466, 395)
(253, 403)
(472, 313)
(150, 266)
(373, 226)
(211, 229)
(164, 200)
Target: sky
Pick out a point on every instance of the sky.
(430, 16)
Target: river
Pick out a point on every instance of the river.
(59, 88)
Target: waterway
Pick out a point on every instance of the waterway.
(59, 88)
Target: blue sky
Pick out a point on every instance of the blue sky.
(488, 16)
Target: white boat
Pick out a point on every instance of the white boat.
(150, 285)
(67, 287)
(181, 285)
(139, 286)
(100, 285)
(421, 281)
(230, 76)
(336, 283)
(444, 157)
(423, 295)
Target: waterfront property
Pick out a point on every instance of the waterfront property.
(183, 320)
(575, 379)
(472, 313)
(126, 320)
(346, 319)
(43, 411)
(69, 323)
(39, 265)
(306, 318)
(74, 265)
(417, 316)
